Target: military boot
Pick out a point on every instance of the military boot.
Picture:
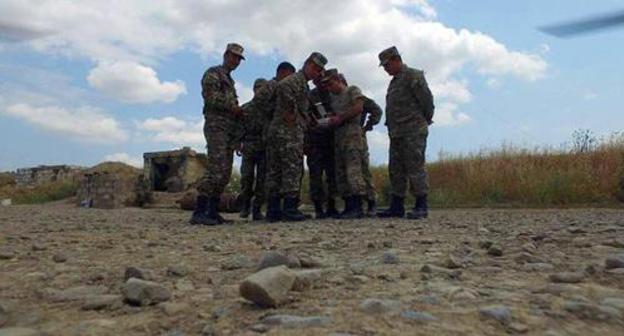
(421, 209)
(214, 207)
(199, 214)
(274, 209)
(353, 210)
(256, 213)
(318, 210)
(371, 210)
(331, 208)
(291, 213)
(245, 204)
(397, 208)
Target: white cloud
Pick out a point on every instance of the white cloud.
(174, 131)
(133, 83)
(85, 123)
(244, 93)
(446, 115)
(494, 83)
(125, 158)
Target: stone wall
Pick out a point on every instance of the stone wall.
(35, 176)
(173, 171)
(105, 190)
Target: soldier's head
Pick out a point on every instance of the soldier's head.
(284, 70)
(333, 81)
(314, 65)
(391, 61)
(232, 56)
(258, 84)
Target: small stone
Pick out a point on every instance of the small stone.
(137, 273)
(142, 293)
(310, 262)
(7, 254)
(452, 262)
(501, 314)
(39, 247)
(178, 270)
(304, 279)
(538, 267)
(237, 262)
(390, 257)
(495, 251)
(616, 261)
(485, 244)
(592, 311)
(173, 308)
(99, 302)
(529, 247)
(268, 287)
(416, 316)
(567, 277)
(296, 322)
(260, 328)
(274, 258)
(432, 269)
(18, 331)
(462, 294)
(379, 306)
(518, 328)
(59, 258)
(184, 285)
(526, 257)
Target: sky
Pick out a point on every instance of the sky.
(87, 81)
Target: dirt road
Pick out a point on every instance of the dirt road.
(461, 272)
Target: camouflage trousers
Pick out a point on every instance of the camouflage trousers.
(320, 161)
(371, 194)
(220, 143)
(407, 164)
(284, 162)
(349, 154)
(253, 169)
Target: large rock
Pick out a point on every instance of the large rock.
(141, 292)
(268, 287)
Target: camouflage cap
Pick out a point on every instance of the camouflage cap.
(318, 59)
(235, 49)
(258, 83)
(387, 54)
(329, 74)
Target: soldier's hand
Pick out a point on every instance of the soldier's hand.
(237, 111)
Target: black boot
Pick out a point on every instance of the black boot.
(397, 208)
(256, 213)
(291, 213)
(245, 204)
(421, 209)
(353, 210)
(371, 211)
(204, 213)
(274, 209)
(318, 210)
(331, 208)
(214, 207)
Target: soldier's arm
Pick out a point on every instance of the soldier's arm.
(213, 96)
(263, 100)
(374, 111)
(287, 101)
(422, 93)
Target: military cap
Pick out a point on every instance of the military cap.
(259, 82)
(235, 49)
(318, 59)
(387, 54)
(329, 74)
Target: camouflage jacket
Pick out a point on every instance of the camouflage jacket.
(218, 92)
(292, 102)
(372, 110)
(409, 103)
(317, 136)
(264, 104)
(342, 103)
(254, 123)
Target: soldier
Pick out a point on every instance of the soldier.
(221, 115)
(409, 112)
(285, 139)
(253, 163)
(319, 150)
(348, 105)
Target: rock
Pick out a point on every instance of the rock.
(7, 254)
(538, 267)
(379, 306)
(529, 247)
(616, 261)
(357, 279)
(99, 302)
(173, 308)
(209, 330)
(138, 273)
(495, 250)
(567, 277)
(390, 257)
(180, 270)
(75, 293)
(485, 244)
(304, 279)
(452, 263)
(59, 258)
(18, 331)
(274, 258)
(260, 328)
(501, 314)
(237, 262)
(441, 270)
(309, 262)
(39, 247)
(268, 287)
(526, 257)
(184, 285)
(614, 302)
(616, 271)
(141, 292)
(518, 328)
(416, 316)
(296, 322)
(592, 311)
(461, 294)
(617, 243)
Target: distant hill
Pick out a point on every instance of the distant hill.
(115, 168)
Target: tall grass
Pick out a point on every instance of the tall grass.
(48, 192)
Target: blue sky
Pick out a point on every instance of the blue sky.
(83, 82)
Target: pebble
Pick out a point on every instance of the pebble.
(380, 306)
(567, 277)
(173, 308)
(452, 263)
(441, 270)
(309, 262)
(526, 257)
(137, 273)
(297, 322)
(501, 314)
(615, 261)
(518, 328)
(268, 287)
(304, 279)
(495, 251)
(39, 247)
(180, 270)
(237, 262)
(59, 258)
(274, 258)
(417, 316)
(142, 293)
(390, 257)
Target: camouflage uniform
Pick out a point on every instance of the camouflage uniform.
(253, 163)
(374, 112)
(350, 145)
(320, 157)
(221, 129)
(409, 109)
(285, 137)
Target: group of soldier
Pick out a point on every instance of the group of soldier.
(285, 121)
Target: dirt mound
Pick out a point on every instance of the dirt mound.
(118, 168)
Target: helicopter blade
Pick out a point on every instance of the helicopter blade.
(585, 25)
